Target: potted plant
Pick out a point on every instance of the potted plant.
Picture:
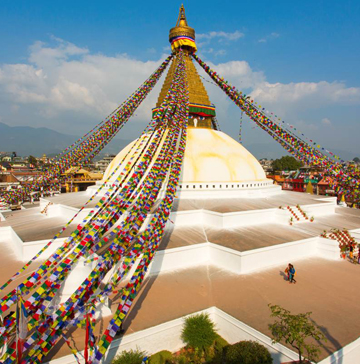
(311, 218)
(291, 220)
(343, 251)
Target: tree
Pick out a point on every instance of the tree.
(296, 330)
(199, 333)
(130, 357)
(247, 352)
(32, 160)
(356, 160)
(286, 163)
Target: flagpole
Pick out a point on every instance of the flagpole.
(86, 353)
(18, 344)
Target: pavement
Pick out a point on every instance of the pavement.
(328, 289)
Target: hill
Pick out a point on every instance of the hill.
(25, 140)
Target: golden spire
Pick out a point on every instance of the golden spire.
(182, 35)
(181, 22)
(200, 109)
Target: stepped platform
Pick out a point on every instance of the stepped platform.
(283, 198)
(201, 221)
(227, 253)
(31, 225)
(171, 295)
(225, 205)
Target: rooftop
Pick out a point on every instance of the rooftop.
(246, 297)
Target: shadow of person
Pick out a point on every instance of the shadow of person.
(281, 273)
(336, 357)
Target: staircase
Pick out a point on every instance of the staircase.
(298, 215)
(344, 239)
(46, 207)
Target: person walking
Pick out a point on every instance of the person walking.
(292, 274)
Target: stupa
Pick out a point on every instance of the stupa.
(230, 235)
(214, 163)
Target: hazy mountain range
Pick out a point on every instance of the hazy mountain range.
(25, 140)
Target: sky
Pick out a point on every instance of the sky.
(66, 65)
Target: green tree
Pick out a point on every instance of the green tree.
(356, 159)
(286, 163)
(32, 160)
(129, 357)
(199, 333)
(247, 352)
(295, 330)
(161, 357)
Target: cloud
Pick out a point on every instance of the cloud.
(70, 89)
(239, 73)
(41, 55)
(216, 53)
(220, 35)
(306, 94)
(63, 77)
(222, 38)
(269, 37)
(326, 121)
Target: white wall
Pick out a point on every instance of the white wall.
(30, 249)
(180, 258)
(216, 219)
(242, 262)
(67, 212)
(201, 254)
(166, 336)
(349, 354)
(328, 248)
(234, 330)
(9, 236)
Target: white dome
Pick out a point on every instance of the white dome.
(210, 157)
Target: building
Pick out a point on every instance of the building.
(79, 179)
(266, 164)
(102, 164)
